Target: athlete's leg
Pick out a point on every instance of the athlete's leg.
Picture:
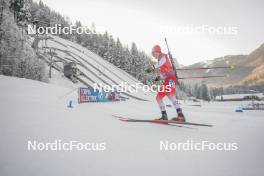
(159, 99)
(175, 103)
(172, 96)
(177, 107)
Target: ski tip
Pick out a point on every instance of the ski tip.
(120, 118)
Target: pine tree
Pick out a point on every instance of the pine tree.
(18, 58)
(204, 93)
(130, 60)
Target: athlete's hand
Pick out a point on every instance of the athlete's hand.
(150, 69)
(157, 78)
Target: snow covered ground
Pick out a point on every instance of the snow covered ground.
(32, 110)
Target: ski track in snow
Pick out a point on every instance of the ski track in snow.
(32, 110)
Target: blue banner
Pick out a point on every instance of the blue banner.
(95, 95)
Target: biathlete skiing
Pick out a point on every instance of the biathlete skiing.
(164, 70)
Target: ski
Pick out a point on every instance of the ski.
(125, 119)
(200, 77)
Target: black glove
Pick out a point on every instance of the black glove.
(157, 78)
(150, 69)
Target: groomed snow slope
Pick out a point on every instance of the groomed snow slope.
(32, 110)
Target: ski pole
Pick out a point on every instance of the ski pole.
(206, 68)
(197, 77)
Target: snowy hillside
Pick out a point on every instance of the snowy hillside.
(248, 70)
(93, 68)
(32, 110)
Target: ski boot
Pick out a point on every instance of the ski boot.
(163, 116)
(180, 117)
